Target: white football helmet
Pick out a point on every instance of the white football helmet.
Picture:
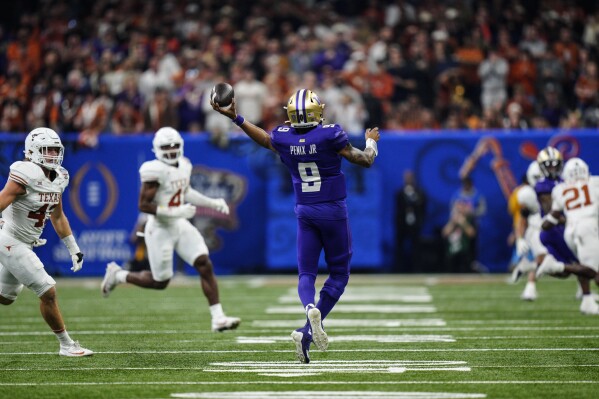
(575, 170)
(533, 173)
(168, 145)
(43, 147)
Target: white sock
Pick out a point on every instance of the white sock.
(121, 276)
(63, 338)
(531, 284)
(217, 311)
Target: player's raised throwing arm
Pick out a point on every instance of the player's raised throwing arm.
(363, 158)
(259, 135)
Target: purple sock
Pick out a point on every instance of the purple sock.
(331, 292)
(306, 289)
(325, 304)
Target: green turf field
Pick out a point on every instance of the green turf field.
(390, 337)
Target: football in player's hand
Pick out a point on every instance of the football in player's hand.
(222, 94)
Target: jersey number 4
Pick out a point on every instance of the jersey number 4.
(40, 214)
(573, 200)
(310, 182)
(176, 199)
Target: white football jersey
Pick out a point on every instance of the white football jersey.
(173, 181)
(26, 217)
(527, 198)
(578, 201)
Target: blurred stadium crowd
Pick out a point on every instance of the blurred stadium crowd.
(132, 66)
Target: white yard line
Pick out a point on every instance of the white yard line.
(370, 309)
(333, 322)
(131, 320)
(278, 382)
(291, 325)
(326, 395)
(404, 338)
(402, 350)
(76, 367)
(380, 289)
(365, 298)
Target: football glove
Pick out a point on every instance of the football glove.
(522, 247)
(221, 206)
(77, 261)
(76, 255)
(39, 242)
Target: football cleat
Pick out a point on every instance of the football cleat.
(522, 268)
(319, 336)
(225, 323)
(588, 306)
(529, 293)
(578, 295)
(549, 266)
(109, 281)
(74, 350)
(516, 274)
(302, 338)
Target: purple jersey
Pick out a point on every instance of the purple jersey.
(545, 186)
(553, 238)
(314, 163)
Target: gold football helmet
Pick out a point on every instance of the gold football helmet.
(551, 162)
(304, 109)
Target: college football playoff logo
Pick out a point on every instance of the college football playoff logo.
(217, 183)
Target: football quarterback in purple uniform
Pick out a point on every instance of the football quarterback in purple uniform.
(312, 152)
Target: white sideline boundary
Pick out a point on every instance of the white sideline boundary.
(542, 366)
(298, 323)
(372, 309)
(403, 350)
(278, 382)
(326, 395)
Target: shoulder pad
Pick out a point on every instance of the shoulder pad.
(185, 160)
(23, 172)
(332, 126)
(152, 171)
(526, 196)
(281, 129)
(63, 172)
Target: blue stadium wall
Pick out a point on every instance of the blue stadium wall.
(259, 234)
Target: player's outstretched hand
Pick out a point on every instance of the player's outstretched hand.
(221, 206)
(373, 134)
(77, 261)
(39, 242)
(522, 247)
(230, 112)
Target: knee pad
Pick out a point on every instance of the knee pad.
(10, 292)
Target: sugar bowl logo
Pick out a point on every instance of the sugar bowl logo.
(217, 183)
(100, 191)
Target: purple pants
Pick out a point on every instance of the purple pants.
(553, 240)
(314, 235)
